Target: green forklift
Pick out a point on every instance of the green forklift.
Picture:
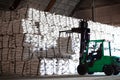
(95, 55)
(98, 58)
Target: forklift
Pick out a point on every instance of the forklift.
(93, 56)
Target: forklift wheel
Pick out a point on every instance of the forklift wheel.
(108, 70)
(116, 73)
(81, 69)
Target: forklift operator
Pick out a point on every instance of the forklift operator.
(99, 52)
(98, 55)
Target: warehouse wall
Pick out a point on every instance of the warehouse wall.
(104, 14)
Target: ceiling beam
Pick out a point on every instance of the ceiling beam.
(50, 5)
(93, 10)
(76, 8)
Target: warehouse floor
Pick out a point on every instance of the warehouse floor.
(73, 77)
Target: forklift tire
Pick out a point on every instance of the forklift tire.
(81, 69)
(116, 73)
(108, 70)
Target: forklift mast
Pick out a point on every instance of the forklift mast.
(85, 37)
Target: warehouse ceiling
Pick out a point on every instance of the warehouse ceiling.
(50, 5)
(62, 7)
(9, 4)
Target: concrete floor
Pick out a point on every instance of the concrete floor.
(76, 77)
